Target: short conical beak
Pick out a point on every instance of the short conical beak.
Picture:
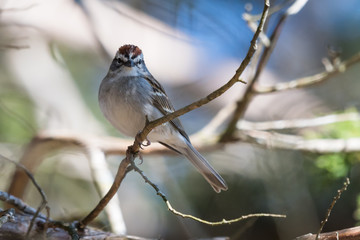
(129, 63)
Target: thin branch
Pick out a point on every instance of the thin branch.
(337, 197)
(295, 7)
(142, 135)
(19, 204)
(298, 123)
(243, 103)
(120, 175)
(174, 211)
(310, 80)
(44, 201)
(102, 179)
(224, 221)
(283, 141)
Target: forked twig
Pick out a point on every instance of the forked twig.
(174, 211)
(151, 125)
(242, 104)
(337, 197)
(310, 80)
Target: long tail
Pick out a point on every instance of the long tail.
(204, 167)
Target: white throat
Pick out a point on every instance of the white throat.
(129, 72)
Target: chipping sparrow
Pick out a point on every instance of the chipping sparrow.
(129, 95)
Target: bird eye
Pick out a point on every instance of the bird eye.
(138, 62)
(119, 60)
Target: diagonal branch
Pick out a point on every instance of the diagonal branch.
(243, 103)
(151, 125)
(337, 197)
(120, 175)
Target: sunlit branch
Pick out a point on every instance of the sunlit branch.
(282, 141)
(308, 81)
(298, 123)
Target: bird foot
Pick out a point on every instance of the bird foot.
(144, 143)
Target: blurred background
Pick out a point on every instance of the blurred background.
(54, 55)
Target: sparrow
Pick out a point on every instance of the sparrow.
(129, 97)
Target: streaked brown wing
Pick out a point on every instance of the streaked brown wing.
(163, 104)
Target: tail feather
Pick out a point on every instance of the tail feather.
(204, 167)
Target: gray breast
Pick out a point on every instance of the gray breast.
(125, 103)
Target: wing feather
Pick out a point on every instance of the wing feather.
(163, 104)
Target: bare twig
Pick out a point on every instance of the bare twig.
(18, 204)
(337, 197)
(243, 103)
(174, 211)
(294, 8)
(142, 135)
(42, 194)
(103, 178)
(120, 175)
(308, 81)
(284, 141)
(298, 123)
